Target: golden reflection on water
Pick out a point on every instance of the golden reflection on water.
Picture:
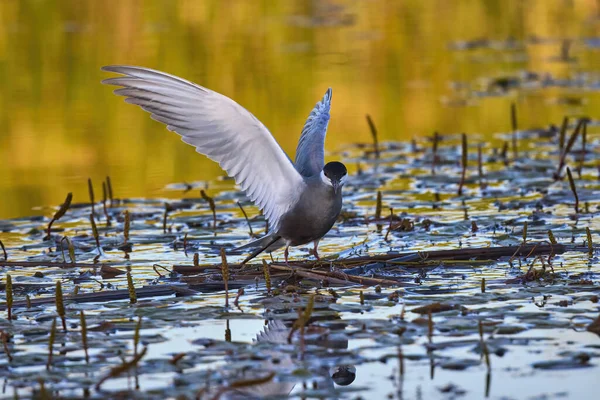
(390, 59)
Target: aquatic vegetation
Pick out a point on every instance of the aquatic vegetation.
(480, 262)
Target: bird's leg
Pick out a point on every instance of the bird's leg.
(316, 244)
(286, 253)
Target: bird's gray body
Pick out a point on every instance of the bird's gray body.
(313, 215)
(308, 220)
(301, 200)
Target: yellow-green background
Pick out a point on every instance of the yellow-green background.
(390, 59)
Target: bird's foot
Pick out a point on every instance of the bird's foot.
(315, 251)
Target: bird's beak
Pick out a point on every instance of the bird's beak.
(336, 186)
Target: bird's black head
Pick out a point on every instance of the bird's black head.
(335, 170)
(334, 174)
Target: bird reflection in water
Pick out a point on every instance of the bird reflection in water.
(276, 361)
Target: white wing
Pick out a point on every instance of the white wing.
(219, 128)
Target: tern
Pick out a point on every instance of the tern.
(301, 199)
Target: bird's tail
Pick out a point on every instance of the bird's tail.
(267, 243)
(262, 242)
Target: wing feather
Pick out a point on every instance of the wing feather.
(310, 153)
(219, 128)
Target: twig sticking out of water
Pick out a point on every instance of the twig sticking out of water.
(390, 225)
(589, 242)
(84, 340)
(61, 211)
(104, 199)
(176, 358)
(267, 275)
(5, 337)
(70, 248)
(225, 273)
(525, 232)
(196, 260)
(563, 134)
(91, 191)
(400, 366)
(51, 344)
(486, 355)
(430, 326)
(110, 191)
(480, 166)
(484, 349)
(434, 148)
(551, 237)
(567, 149)
(378, 207)
(126, 227)
(227, 331)
(136, 336)
(246, 217)
(465, 156)
(303, 318)
(236, 301)
(515, 138)
(573, 189)
(374, 135)
(482, 285)
(185, 242)
(583, 150)
(211, 204)
(60, 305)
(361, 296)
(165, 214)
(9, 296)
(95, 232)
(131, 289)
(504, 154)
(3, 251)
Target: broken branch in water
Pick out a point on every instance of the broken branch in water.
(567, 149)
(109, 295)
(121, 369)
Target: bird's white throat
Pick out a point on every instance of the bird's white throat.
(325, 179)
(328, 182)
